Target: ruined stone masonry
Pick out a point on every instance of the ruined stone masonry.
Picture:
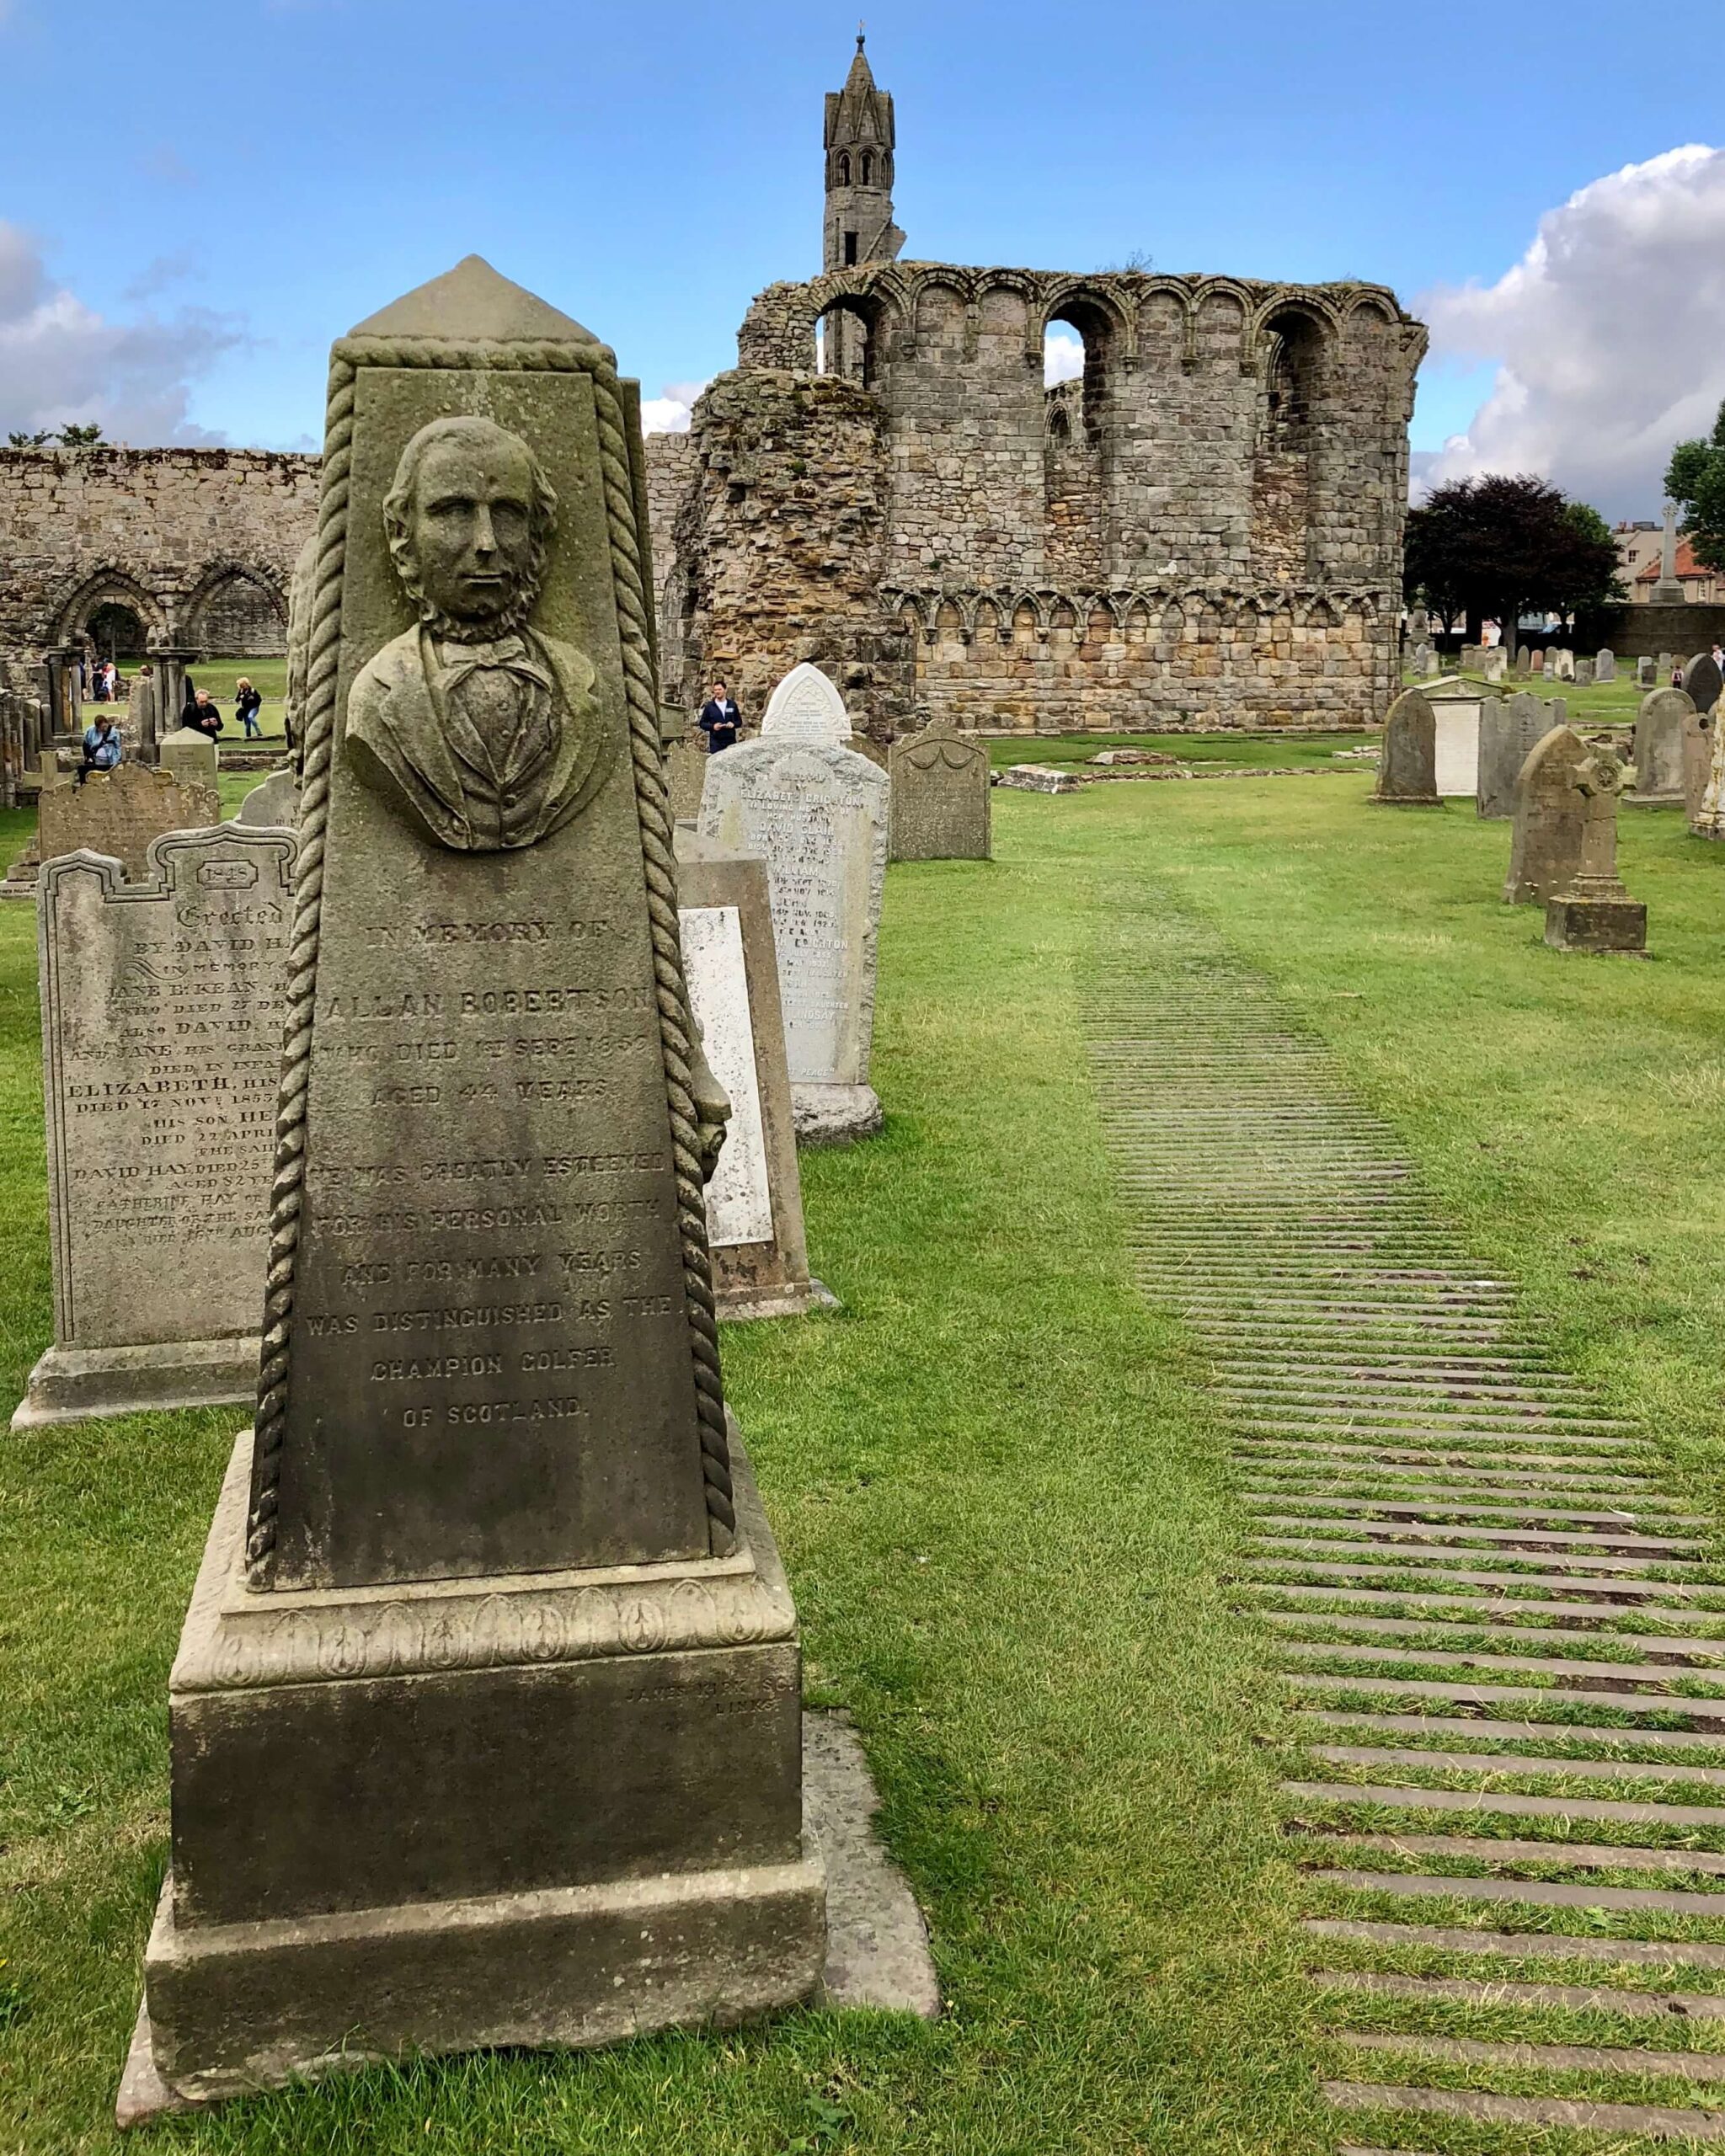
(150, 546)
(1203, 530)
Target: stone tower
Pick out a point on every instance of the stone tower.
(859, 171)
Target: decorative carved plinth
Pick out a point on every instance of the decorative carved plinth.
(70, 1384)
(541, 1809)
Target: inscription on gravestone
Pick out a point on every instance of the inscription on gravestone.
(940, 795)
(739, 1207)
(161, 1038)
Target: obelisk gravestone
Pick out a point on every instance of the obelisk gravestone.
(485, 1718)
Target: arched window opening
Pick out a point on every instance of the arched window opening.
(868, 169)
(1060, 425)
(1293, 369)
(1075, 369)
(844, 168)
(847, 337)
(116, 632)
(240, 616)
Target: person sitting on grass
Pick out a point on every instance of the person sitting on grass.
(202, 716)
(247, 704)
(101, 749)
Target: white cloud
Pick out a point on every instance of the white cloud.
(668, 413)
(1608, 336)
(1062, 357)
(62, 362)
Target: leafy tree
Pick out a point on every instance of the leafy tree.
(1498, 547)
(69, 437)
(1695, 479)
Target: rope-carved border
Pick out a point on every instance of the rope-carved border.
(654, 812)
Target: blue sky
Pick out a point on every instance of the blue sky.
(246, 179)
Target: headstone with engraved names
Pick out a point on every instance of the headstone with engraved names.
(1657, 753)
(161, 1049)
(1407, 764)
(1508, 735)
(120, 812)
(754, 1200)
(485, 1721)
(1550, 814)
(940, 795)
(816, 811)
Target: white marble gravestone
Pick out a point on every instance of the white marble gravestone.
(161, 1051)
(755, 1200)
(816, 813)
(1458, 719)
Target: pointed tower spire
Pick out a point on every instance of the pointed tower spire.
(859, 138)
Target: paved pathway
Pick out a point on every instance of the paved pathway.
(1504, 1648)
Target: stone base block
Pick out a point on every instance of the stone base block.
(835, 1115)
(1597, 924)
(71, 1384)
(256, 2005)
(778, 1302)
(1405, 800)
(877, 1953)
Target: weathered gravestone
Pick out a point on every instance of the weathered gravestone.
(1469, 659)
(188, 755)
(1606, 665)
(1708, 819)
(817, 813)
(1509, 733)
(1425, 661)
(1593, 912)
(1539, 661)
(684, 763)
(1667, 661)
(1702, 681)
(143, 712)
(1644, 676)
(1455, 711)
(276, 802)
(161, 1050)
(1039, 778)
(1699, 728)
(1546, 845)
(754, 1200)
(485, 1717)
(1658, 754)
(120, 812)
(1494, 663)
(1407, 764)
(939, 798)
(1563, 663)
(1582, 674)
(1524, 660)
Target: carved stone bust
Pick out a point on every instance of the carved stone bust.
(476, 726)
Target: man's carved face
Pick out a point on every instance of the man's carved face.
(469, 524)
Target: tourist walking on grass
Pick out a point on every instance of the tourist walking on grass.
(102, 748)
(720, 720)
(247, 704)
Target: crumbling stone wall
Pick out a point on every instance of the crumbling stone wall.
(1206, 529)
(199, 544)
(776, 547)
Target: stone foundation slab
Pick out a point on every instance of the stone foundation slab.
(70, 1384)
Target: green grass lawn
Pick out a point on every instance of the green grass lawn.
(1000, 1488)
(268, 676)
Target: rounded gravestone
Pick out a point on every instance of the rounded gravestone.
(1549, 814)
(1702, 682)
(1407, 771)
(1658, 754)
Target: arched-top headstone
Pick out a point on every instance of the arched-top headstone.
(1549, 816)
(1698, 758)
(806, 707)
(275, 804)
(1658, 754)
(1407, 769)
(1606, 665)
(1702, 681)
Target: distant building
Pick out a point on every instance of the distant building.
(1700, 586)
(1637, 545)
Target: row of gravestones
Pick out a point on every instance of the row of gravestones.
(1492, 662)
(1561, 791)
(457, 1104)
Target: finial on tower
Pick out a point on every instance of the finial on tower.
(861, 31)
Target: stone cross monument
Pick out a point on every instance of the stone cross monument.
(485, 1717)
(1667, 591)
(1593, 912)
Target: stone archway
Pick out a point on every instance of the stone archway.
(237, 612)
